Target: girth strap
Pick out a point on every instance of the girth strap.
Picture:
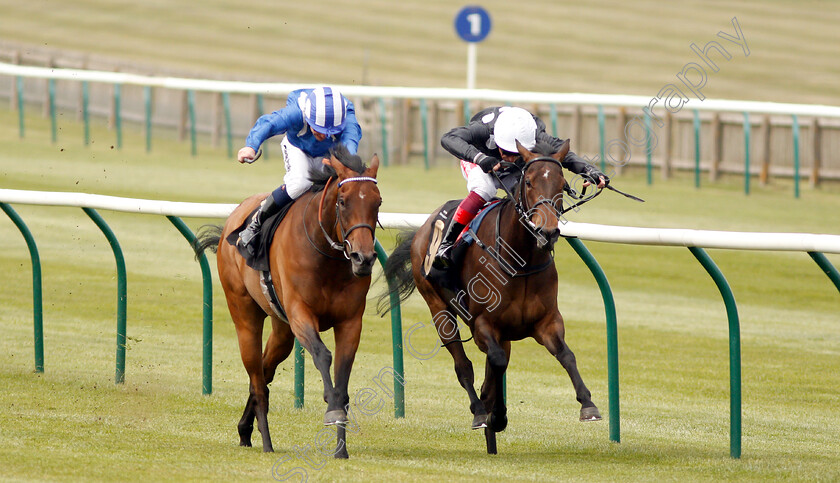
(267, 286)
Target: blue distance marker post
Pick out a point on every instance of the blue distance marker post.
(473, 25)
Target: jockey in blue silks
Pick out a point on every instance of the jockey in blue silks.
(313, 121)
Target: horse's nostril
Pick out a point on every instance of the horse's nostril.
(356, 257)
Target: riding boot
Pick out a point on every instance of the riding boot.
(443, 257)
(269, 207)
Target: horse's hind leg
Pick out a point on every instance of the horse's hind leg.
(446, 325)
(250, 347)
(277, 349)
(551, 334)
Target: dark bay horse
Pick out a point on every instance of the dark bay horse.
(510, 287)
(321, 258)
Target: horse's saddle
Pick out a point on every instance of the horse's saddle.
(262, 242)
(450, 280)
(465, 239)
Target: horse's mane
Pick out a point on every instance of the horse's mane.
(320, 175)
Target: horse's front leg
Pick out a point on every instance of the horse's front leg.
(305, 327)
(551, 333)
(347, 336)
(492, 393)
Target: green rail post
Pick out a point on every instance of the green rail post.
(119, 375)
(424, 120)
(648, 153)
(298, 353)
(383, 122)
(554, 120)
(207, 312)
(396, 340)
(21, 126)
(734, 349)
(795, 156)
(85, 114)
(696, 149)
(260, 111)
(147, 98)
(53, 120)
(747, 153)
(118, 113)
(826, 267)
(191, 112)
(612, 334)
(226, 104)
(37, 297)
(601, 140)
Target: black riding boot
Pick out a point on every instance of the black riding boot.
(246, 236)
(443, 258)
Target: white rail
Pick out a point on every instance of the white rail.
(719, 105)
(806, 242)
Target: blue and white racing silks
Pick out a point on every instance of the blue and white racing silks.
(290, 121)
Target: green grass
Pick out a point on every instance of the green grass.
(73, 423)
(606, 46)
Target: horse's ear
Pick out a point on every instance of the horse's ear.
(338, 166)
(564, 150)
(523, 151)
(374, 166)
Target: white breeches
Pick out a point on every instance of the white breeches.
(477, 180)
(298, 165)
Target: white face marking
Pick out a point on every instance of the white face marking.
(361, 195)
(545, 174)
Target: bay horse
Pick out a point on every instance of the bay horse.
(511, 283)
(321, 258)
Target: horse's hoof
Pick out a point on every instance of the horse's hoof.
(590, 414)
(268, 449)
(479, 421)
(245, 443)
(336, 416)
(342, 454)
(497, 422)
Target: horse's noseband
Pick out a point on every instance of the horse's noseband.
(344, 247)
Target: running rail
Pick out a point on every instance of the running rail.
(695, 240)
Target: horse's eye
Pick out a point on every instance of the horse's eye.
(528, 183)
(341, 202)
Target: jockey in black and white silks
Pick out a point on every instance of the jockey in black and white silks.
(481, 145)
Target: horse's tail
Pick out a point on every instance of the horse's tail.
(208, 236)
(398, 273)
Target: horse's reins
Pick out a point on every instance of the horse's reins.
(520, 205)
(344, 246)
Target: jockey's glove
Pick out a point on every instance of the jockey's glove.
(485, 162)
(592, 174)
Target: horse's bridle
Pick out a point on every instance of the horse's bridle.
(521, 203)
(344, 246)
